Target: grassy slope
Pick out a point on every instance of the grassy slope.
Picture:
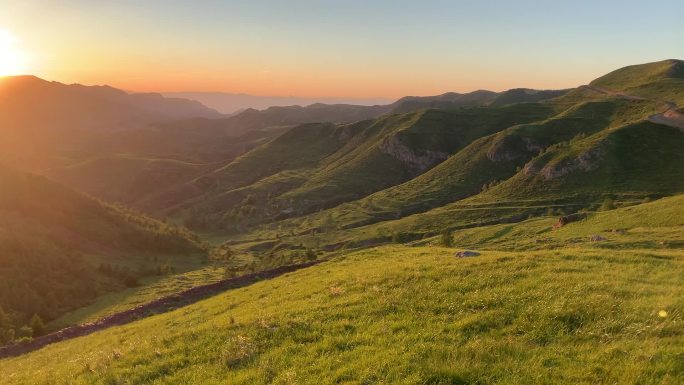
(659, 80)
(655, 225)
(52, 239)
(126, 179)
(210, 200)
(640, 159)
(525, 95)
(415, 315)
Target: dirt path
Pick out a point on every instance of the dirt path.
(670, 117)
(160, 305)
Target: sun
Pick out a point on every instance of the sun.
(12, 60)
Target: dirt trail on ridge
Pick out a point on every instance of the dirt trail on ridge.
(670, 117)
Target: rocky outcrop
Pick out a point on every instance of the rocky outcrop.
(564, 220)
(673, 118)
(510, 148)
(586, 161)
(531, 168)
(532, 146)
(394, 147)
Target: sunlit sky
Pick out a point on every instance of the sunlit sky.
(334, 48)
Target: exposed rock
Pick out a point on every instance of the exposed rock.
(418, 162)
(597, 238)
(501, 154)
(565, 219)
(466, 254)
(586, 161)
(671, 117)
(505, 149)
(531, 168)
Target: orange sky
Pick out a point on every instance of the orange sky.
(324, 49)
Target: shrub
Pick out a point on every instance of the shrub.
(446, 238)
(310, 255)
(37, 326)
(24, 332)
(397, 237)
(608, 204)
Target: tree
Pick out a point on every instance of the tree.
(37, 326)
(6, 331)
(4, 319)
(446, 238)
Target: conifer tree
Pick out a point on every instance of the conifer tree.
(37, 326)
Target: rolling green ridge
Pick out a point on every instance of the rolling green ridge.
(369, 156)
(517, 172)
(659, 80)
(403, 164)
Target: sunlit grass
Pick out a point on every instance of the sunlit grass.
(405, 315)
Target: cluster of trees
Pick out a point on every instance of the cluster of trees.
(41, 281)
(490, 185)
(9, 332)
(279, 255)
(32, 290)
(156, 236)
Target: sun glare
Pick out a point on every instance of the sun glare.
(12, 60)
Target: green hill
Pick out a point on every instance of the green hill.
(659, 80)
(525, 95)
(60, 249)
(127, 180)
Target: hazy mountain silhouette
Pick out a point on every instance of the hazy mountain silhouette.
(230, 103)
(37, 116)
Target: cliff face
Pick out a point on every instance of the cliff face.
(418, 163)
(586, 161)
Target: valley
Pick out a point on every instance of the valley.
(325, 239)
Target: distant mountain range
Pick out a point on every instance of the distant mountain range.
(235, 103)
(230, 103)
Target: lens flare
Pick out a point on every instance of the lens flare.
(12, 60)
